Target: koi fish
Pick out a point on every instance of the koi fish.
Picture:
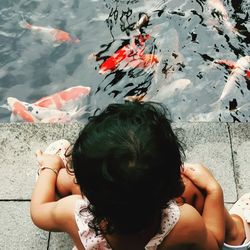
(64, 100)
(19, 111)
(132, 55)
(55, 35)
(141, 62)
(241, 68)
(143, 20)
(232, 65)
(219, 7)
(60, 107)
(28, 112)
(170, 89)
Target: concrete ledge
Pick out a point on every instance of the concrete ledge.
(17, 230)
(240, 136)
(222, 147)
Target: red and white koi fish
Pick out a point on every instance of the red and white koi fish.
(218, 6)
(131, 55)
(20, 111)
(53, 34)
(67, 99)
(63, 106)
(233, 65)
(141, 62)
(23, 111)
(239, 69)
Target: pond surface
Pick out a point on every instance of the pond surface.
(187, 38)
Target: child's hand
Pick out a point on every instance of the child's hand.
(201, 177)
(49, 160)
(192, 194)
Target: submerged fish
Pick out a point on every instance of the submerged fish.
(19, 111)
(28, 112)
(143, 20)
(219, 7)
(53, 34)
(233, 65)
(170, 89)
(239, 69)
(64, 100)
(63, 106)
(131, 55)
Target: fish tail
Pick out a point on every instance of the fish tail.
(25, 25)
(76, 113)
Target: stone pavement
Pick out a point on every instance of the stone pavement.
(223, 147)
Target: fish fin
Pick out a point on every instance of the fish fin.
(5, 106)
(77, 113)
(229, 63)
(25, 25)
(14, 118)
(216, 105)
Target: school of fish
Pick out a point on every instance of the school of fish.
(67, 105)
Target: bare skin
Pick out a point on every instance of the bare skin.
(51, 214)
(234, 227)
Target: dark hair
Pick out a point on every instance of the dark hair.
(127, 162)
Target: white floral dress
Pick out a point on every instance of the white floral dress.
(90, 241)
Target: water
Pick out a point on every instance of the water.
(186, 36)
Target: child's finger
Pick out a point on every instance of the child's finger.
(188, 172)
(39, 153)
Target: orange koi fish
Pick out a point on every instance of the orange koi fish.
(131, 55)
(53, 34)
(240, 68)
(64, 100)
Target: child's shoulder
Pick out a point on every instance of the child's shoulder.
(189, 230)
(65, 210)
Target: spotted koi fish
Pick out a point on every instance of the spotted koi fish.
(60, 107)
(240, 68)
(56, 35)
(130, 55)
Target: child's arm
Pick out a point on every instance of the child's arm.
(213, 211)
(46, 212)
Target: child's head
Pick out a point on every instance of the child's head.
(127, 162)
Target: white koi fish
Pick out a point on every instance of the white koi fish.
(143, 20)
(239, 69)
(170, 89)
(56, 35)
(218, 6)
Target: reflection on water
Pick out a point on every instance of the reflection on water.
(179, 64)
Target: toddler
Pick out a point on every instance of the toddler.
(127, 164)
